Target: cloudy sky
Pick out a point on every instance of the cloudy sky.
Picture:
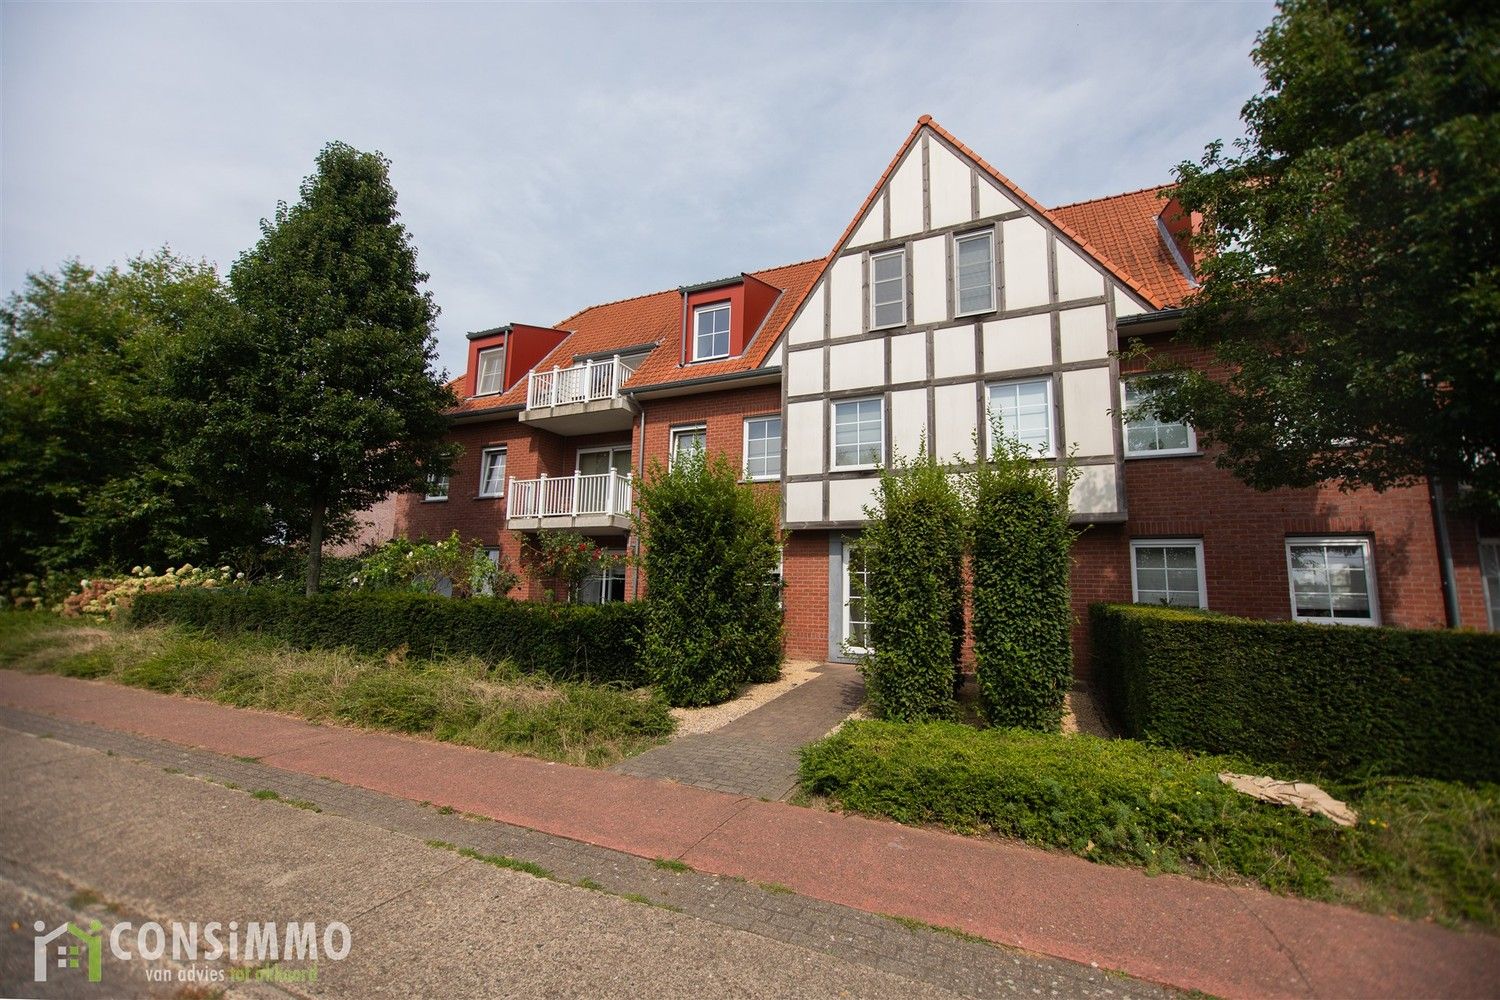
(550, 157)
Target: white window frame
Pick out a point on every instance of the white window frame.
(989, 416)
(484, 469)
(1192, 437)
(845, 558)
(611, 450)
(745, 465)
(833, 432)
(713, 307)
(604, 577)
(1491, 601)
(678, 432)
(479, 389)
(1373, 591)
(988, 235)
(432, 496)
(1196, 544)
(898, 252)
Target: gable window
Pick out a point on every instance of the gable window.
(1024, 410)
(687, 441)
(1332, 580)
(1147, 434)
(711, 332)
(974, 257)
(437, 487)
(492, 472)
(763, 448)
(1168, 572)
(858, 433)
(887, 289)
(491, 372)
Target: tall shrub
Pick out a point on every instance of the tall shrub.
(1022, 619)
(712, 547)
(913, 545)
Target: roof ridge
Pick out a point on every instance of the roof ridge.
(1111, 197)
(663, 291)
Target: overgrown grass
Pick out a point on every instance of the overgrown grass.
(1422, 849)
(458, 700)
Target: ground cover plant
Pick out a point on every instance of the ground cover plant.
(1422, 849)
(456, 699)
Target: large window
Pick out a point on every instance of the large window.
(686, 441)
(437, 487)
(605, 586)
(1024, 410)
(858, 433)
(711, 332)
(1332, 580)
(763, 448)
(491, 372)
(1168, 572)
(887, 289)
(597, 461)
(1145, 434)
(856, 580)
(974, 256)
(492, 472)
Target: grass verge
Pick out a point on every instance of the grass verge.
(1423, 849)
(457, 700)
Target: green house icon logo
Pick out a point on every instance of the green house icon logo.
(78, 949)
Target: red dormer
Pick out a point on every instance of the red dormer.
(1181, 226)
(720, 318)
(498, 358)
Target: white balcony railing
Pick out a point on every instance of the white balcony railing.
(604, 494)
(579, 384)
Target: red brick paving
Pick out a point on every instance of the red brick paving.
(1226, 941)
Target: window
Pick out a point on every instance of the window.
(686, 441)
(1145, 434)
(1168, 572)
(437, 487)
(1489, 563)
(858, 433)
(491, 372)
(1332, 580)
(711, 332)
(763, 448)
(492, 472)
(1024, 410)
(607, 585)
(856, 580)
(597, 461)
(487, 589)
(888, 289)
(778, 577)
(974, 256)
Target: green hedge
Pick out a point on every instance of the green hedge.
(567, 642)
(1333, 699)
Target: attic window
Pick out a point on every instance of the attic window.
(491, 372)
(711, 332)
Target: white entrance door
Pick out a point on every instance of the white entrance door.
(856, 618)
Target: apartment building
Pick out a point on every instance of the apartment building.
(950, 297)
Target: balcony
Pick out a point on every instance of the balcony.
(581, 399)
(593, 504)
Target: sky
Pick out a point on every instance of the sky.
(551, 157)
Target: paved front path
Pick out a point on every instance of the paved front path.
(1222, 940)
(756, 754)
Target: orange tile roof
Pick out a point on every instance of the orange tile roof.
(1123, 228)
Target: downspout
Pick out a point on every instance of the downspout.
(635, 541)
(1445, 550)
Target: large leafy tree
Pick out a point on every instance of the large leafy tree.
(333, 387)
(1351, 280)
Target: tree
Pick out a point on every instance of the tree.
(334, 392)
(1350, 274)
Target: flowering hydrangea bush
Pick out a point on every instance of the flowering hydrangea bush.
(108, 596)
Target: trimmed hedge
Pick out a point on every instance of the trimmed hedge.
(1333, 699)
(598, 643)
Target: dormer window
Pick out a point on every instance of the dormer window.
(711, 332)
(491, 372)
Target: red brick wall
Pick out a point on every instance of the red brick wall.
(805, 572)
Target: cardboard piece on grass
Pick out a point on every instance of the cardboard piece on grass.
(1298, 794)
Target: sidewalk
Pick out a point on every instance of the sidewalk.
(1230, 942)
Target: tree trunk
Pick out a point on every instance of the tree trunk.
(315, 548)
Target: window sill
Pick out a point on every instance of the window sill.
(1356, 622)
(853, 468)
(434, 499)
(990, 311)
(888, 326)
(720, 357)
(490, 496)
(760, 479)
(1187, 453)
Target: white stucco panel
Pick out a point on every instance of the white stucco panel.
(804, 439)
(856, 366)
(774, 359)
(1076, 277)
(804, 502)
(847, 497)
(1125, 305)
(1085, 333)
(1094, 491)
(953, 351)
(1013, 344)
(804, 372)
(906, 194)
(908, 358)
(949, 186)
(993, 201)
(909, 422)
(957, 419)
(1087, 421)
(929, 278)
(807, 328)
(871, 228)
(846, 296)
(1025, 277)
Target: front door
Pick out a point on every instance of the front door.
(856, 618)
